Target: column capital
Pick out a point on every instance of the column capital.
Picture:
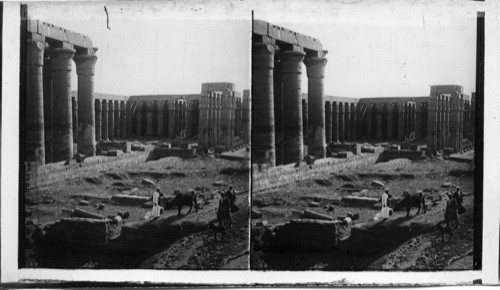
(292, 56)
(315, 66)
(35, 52)
(263, 55)
(60, 58)
(85, 64)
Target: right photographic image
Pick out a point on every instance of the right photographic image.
(365, 140)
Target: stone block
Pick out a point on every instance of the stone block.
(360, 201)
(344, 154)
(130, 199)
(114, 153)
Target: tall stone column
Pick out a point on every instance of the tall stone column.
(35, 134)
(123, 120)
(263, 142)
(401, 120)
(418, 120)
(341, 122)
(63, 123)
(378, 133)
(414, 120)
(460, 121)
(130, 118)
(48, 109)
(98, 119)
(104, 131)
(293, 138)
(369, 121)
(328, 122)
(74, 115)
(440, 122)
(432, 124)
(85, 69)
(118, 120)
(138, 120)
(315, 67)
(161, 112)
(390, 120)
(335, 122)
(111, 119)
(354, 122)
(171, 119)
(149, 119)
(278, 111)
(347, 117)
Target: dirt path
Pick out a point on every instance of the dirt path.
(202, 251)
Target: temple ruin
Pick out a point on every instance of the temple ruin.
(289, 124)
(61, 122)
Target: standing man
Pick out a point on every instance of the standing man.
(458, 196)
(231, 195)
(385, 207)
(155, 212)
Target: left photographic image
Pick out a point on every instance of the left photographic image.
(134, 137)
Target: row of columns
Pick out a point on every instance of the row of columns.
(349, 121)
(447, 119)
(49, 115)
(277, 112)
(217, 121)
(110, 119)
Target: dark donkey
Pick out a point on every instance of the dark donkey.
(411, 200)
(183, 199)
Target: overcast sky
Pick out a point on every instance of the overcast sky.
(156, 49)
(387, 50)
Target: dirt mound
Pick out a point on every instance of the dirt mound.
(394, 164)
(117, 176)
(347, 177)
(461, 172)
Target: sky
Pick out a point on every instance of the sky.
(156, 49)
(387, 50)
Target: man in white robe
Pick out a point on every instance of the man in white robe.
(385, 207)
(155, 212)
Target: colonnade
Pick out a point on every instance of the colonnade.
(449, 121)
(277, 113)
(49, 107)
(218, 119)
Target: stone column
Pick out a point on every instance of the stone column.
(118, 119)
(328, 122)
(123, 120)
(390, 121)
(48, 109)
(293, 138)
(161, 111)
(130, 118)
(335, 122)
(63, 123)
(171, 119)
(341, 122)
(347, 122)
(315, 67)
(460, 121)
(414, 120)
(138, 121)
(104, 131)
(149, 119)
(401, 131)
(378, 131)
(263, 142)
(432, 124)
(98, 119)
(85, 68)
(74, 115)
(111, 120)
(354, 122)
(278, 111)
(35, 134)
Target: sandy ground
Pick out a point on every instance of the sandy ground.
(51, 203)
(425, 252)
